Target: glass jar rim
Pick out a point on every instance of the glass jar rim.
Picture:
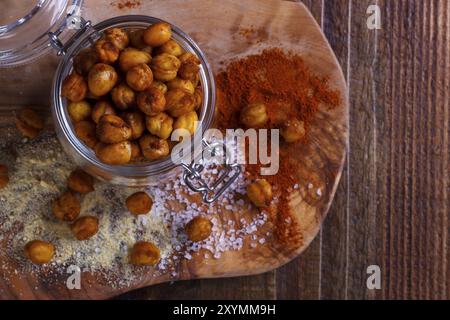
(63, 121)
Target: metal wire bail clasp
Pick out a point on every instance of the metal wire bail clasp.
(229, 173)
(73, 21)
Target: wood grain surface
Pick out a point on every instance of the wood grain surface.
(392, 207)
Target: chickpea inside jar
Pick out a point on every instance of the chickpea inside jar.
(122, 89)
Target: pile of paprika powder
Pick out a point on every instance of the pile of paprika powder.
(289, 90)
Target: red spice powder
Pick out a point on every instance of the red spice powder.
(289, 90)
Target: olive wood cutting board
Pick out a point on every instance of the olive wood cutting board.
(224, 30)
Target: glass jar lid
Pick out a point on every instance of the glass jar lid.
(24, 26)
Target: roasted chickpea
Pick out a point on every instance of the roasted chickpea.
(260, 193)
(85, 60)
(160, 86)
(136, 154)
(102, 108)
(137, 41)
(198, 95)
(179, 102)
(198, 229)
(107, 51)
(102, 78)
(85, 131)
(165, 67)
(79, 111)
(113, 129)
(140, 77)
(160, 125)
(293, 131)
(254, 115)
(154, 148)
(29, 123)
(85, 228)
(123, 96)
(39, 252)
(187, 121)
(157, 34)
(67, 207)
(4, 178)
(144, 254)
(131, 57)
(190, 66)
(114, 154)
(139, 203)
(81, 182)
(171, 47)
(182, 84)
(136, 121)
(74, 87)
(117, 37)
(151, 102)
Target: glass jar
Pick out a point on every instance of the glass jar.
(133, 174)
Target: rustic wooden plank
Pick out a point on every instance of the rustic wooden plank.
(300, 279)
(335, 229)
(414, 175)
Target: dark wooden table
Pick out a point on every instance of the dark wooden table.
(392, 208)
